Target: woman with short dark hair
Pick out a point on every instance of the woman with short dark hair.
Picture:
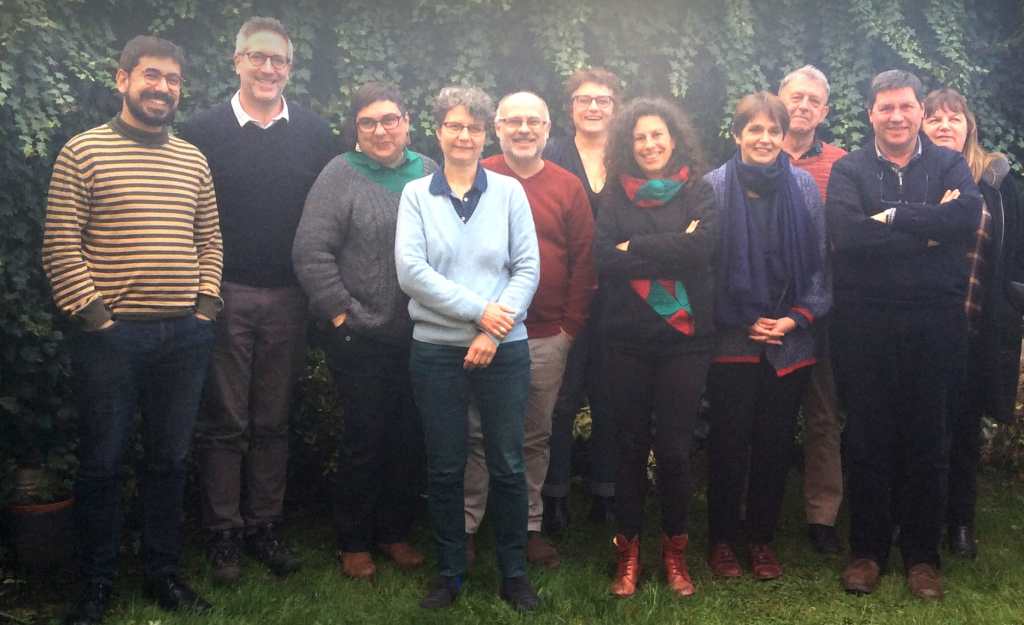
(657, 234)
(343, 257)
(772, 285)
(466, 254)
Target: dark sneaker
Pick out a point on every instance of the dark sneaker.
(518, 592)
(442, 594)
(264, 544)
(224, 551)
(961, 541)
(172, 594)
(91, 604)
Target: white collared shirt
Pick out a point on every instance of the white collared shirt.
(244, 118)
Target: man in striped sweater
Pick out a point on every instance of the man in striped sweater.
(132, 249)
(805, 93)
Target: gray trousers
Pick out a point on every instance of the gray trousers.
(242, 432)
(823, 467)
(547, 364)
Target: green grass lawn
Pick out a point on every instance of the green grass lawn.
(989, 590)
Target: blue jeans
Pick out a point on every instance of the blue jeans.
(158, 366)
(442, 389)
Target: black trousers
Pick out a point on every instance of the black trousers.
(753, 420)
(897, 366)
(966, 402)
(655, 398)
(381, 454)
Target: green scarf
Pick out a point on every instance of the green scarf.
(393, 179)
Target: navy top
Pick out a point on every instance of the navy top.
(464, 206)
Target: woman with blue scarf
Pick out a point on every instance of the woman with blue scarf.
(657, 231)
(772, 284)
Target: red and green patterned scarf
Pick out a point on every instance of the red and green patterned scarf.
(668, 298)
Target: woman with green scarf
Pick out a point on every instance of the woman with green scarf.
(344, 259)
(656, 236)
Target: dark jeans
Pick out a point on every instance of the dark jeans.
(158, 366)
(443, 388)
(585, 377)
(753, 420)
(897, 366)
(644, 385)
(381, 450)
(242, 432)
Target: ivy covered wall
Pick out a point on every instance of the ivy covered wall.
(57, 59)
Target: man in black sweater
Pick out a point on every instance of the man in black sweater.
(264, 154)
(901, 213)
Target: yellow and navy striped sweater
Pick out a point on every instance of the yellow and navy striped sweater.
(131, 227)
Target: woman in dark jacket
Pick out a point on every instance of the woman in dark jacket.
(993, 306)
(656, 236)
(592, 96)
(772, 285)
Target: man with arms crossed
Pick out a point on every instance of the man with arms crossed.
(902, 213)
(132, 249)
(265, 154)
(565, 231)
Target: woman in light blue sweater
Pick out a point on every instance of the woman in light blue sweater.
(466, 255)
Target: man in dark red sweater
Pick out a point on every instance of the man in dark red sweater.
(565, 230)
(805, 92)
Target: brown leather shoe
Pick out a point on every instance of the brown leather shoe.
(723, 561)
(764, 564)
(357, 564)
(404, 555)
(861, 576)
(627, 571)
(673, 558)
(924, 581)
(540, 551)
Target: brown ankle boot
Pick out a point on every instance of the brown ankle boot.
(627, 573)
(673, 557)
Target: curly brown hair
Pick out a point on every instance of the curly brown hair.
(619, 157)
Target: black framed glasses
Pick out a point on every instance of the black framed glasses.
(388, 122)
(603, 101)
(257, 59)
(456, 128)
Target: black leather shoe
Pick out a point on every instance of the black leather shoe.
(264, 544)
(556, 515)
(960, 539)
(442, 593)
(172, 594)
(602, 510)
(91, 604)
(518, 592)
(824, 538)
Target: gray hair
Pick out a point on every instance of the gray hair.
(258, 24)
(809, 72)
(540, 100)
(895, 79)
(479, 105)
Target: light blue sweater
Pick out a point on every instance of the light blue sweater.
(450, 270)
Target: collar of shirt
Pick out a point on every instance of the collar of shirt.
(464, 206)
(244, 118)
(814, 150)
(895, 167)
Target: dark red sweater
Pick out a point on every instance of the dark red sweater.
(565, 233)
